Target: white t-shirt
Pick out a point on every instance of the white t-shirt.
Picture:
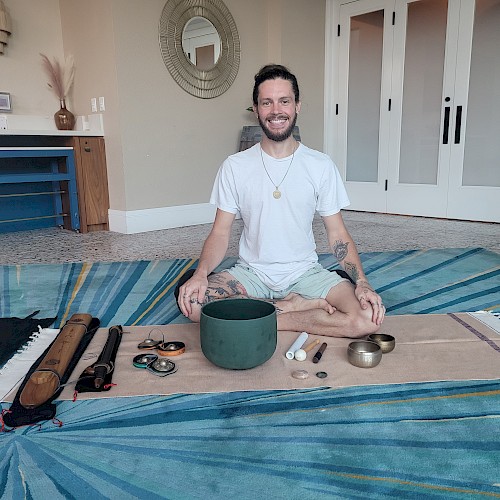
(277, 241)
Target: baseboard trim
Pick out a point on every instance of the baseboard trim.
(154, 219)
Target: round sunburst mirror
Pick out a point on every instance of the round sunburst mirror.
(204, 66)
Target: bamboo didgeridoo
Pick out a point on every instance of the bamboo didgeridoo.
(45, 380)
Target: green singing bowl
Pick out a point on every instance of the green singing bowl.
(238, 333)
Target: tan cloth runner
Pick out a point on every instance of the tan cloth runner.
(428, 348)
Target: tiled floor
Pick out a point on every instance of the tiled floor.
(371, 232)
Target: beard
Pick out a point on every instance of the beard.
(278, 136)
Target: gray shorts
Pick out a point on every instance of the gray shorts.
(314, 283)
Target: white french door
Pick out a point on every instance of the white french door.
(474, 188)
(417, 131)
(364, 85)
(424, 56)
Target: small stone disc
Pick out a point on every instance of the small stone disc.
(300, 374)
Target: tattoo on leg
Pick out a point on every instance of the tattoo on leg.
(352, 270)
(217, 279)
(214, 292)
(339, 250)
(221, 286)
(233, 285)
(219, 291)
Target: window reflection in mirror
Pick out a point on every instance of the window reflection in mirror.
(201, 43)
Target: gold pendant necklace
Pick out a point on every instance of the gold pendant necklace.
(277, 192)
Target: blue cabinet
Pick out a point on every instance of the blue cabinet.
(38, 188)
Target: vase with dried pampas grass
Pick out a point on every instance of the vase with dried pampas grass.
(60, 81)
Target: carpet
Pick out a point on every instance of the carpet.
(432, 441)
(412, 440)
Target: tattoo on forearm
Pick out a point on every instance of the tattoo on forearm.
(352, 270)
(339, 249)
(364, 284)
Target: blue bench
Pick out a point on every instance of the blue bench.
(49, 171)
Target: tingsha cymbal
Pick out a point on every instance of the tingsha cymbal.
(149, 344)
(142, 360)
(162, 367)
(171, 348)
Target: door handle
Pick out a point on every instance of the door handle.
(458, 124)
(87, 149)
(446, 125)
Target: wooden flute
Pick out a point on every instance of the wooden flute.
(45, 380)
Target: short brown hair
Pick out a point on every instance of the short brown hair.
(271, 72)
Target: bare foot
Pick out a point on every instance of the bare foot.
(295, 302)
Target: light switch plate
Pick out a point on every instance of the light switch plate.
(3, 122)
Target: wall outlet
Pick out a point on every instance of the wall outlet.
(3, 122)
(93, 105)
(101, 104)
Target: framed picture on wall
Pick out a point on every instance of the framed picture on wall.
(5, 104)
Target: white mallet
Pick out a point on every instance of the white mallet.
(301, 354)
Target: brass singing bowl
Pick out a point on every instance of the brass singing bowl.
(386, 342)
(364, 354)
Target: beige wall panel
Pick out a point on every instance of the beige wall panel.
(36, 28)
(88, 35)
(303, 51)
(173, 143)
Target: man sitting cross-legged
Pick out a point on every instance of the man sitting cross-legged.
(277, 186)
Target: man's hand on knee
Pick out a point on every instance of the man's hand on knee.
(201, 289)
(192, 294)
(368, 297)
